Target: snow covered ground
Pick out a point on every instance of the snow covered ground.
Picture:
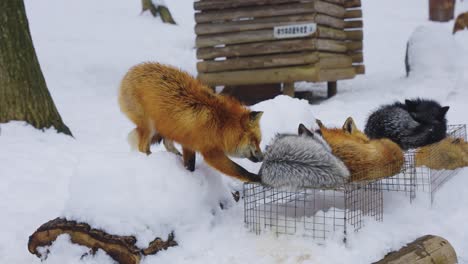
(85, 47)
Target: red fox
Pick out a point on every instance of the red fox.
(168, 104)
(366, 159)
(461, 22)
(449, 153)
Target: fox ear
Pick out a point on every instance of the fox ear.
(444, 110)
(255, 116)
(349, 125)
(410, 104)
(303, 130)
(319, 123)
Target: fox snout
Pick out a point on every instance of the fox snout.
(256, 156)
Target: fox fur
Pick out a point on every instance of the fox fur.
(461, 22)
(449, 154)
(366, 159)
(167, 104)
(304, 160)
(414, 124)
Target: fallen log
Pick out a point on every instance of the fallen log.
(120, 248)
(424, 250)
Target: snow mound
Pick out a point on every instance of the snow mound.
(432, 51)
(144, 196)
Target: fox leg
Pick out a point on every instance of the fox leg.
(189, 158)
(145, 136)
(169, 144)
(221, 162)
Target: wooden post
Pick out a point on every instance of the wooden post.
(288, 89)
(441, 10)
(424, 250)
(332, 88)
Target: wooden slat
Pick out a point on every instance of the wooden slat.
(330, 21)
(350, 14)
(258, 62)
(352, 3)
(257, 48)
(271, 11)
(260, 35)
(335, 62)
(263, 11)
(336, 2)
(269, 47)
(330, 9)
(354, 45)
(357, 57)
(354, 35)
(331, 45)
(275, 75)
(260, 23)
(224, 4)
(270, 22)
(353, 24)
(359, 69)
(328, 75)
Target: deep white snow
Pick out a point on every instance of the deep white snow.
(85, 47)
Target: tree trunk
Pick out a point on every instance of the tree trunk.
(160, 9)
(23, 91)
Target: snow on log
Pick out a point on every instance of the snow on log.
(121, 248)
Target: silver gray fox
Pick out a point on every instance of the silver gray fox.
(304, 160)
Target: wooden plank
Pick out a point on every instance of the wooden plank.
(269, 22)
(259, 48)
(223, 4)
(357, 57)
(248, 13)
(260, 23)
(331, 45)
(263, 48)
(427, 249)
(327, 75)
(353, 45)
(330, 9)
(274, 75)
(330, 21)
(352, 3)
(257, 62)
(336, 2)
(354, 35)
(350, 14)
(335, 62)
(359, 69)
(353, 24)
(271, 11)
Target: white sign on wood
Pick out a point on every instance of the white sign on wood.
(294, 31)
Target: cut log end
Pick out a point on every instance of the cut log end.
(428, 249)
(121, 248)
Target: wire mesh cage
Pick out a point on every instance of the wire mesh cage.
(426, 169)
(316, 213)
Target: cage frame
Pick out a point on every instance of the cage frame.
(350, 204)
(413, 179)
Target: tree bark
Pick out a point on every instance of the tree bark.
(23, 91)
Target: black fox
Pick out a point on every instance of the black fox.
(414, 124)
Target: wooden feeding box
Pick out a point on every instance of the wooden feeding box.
(251, 42)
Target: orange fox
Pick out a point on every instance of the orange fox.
(366, 159)
(170, 105)
(461, 22)
(449, 153)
